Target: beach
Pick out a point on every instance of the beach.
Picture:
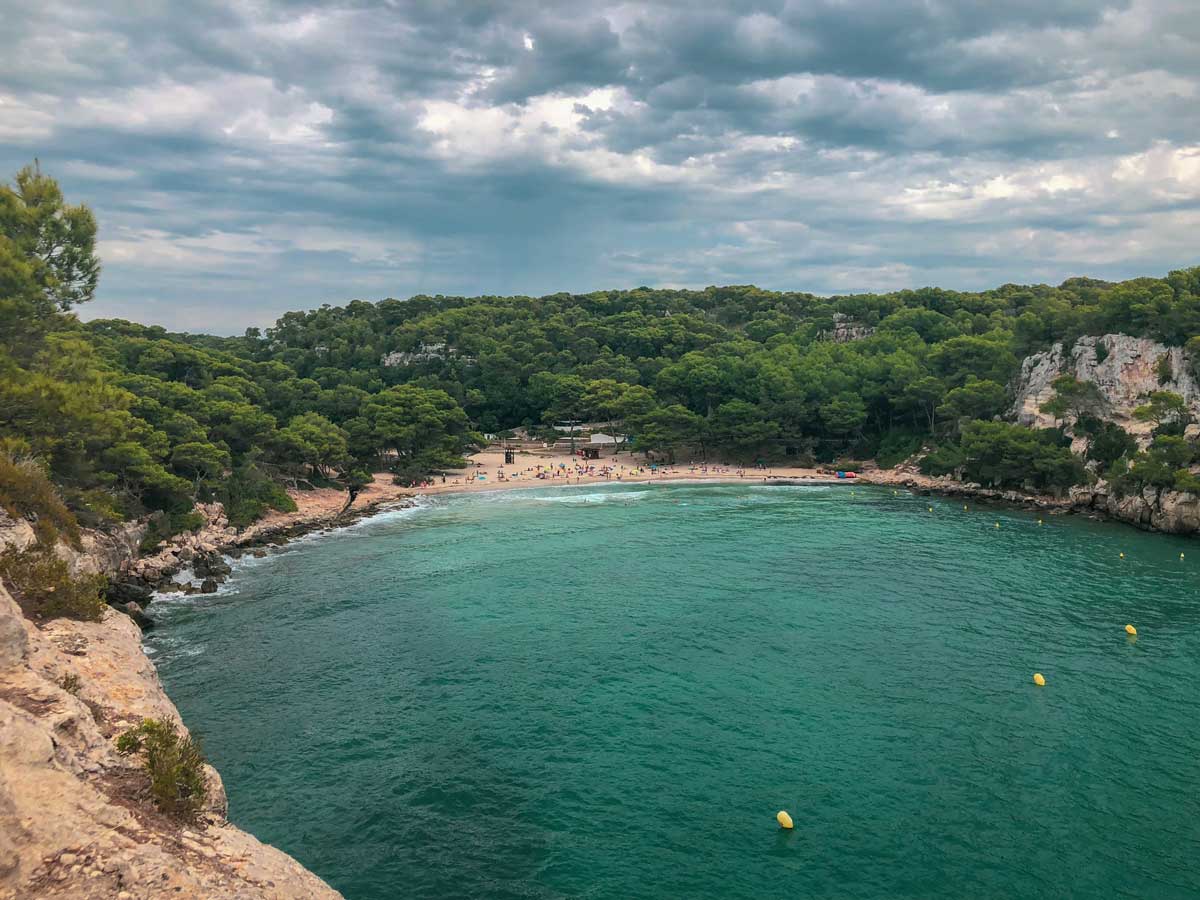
(551, 467)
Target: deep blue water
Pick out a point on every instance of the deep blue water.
(609, 692)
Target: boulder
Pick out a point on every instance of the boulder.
(208, 586)
(123, 591)
(134, 612)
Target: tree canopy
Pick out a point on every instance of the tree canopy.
(128, 418)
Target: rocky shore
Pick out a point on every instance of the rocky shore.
(1171, 512)
(198, 562)
(76, 817)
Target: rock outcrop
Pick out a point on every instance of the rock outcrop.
(76, 819)
(1173, 512)
(1125, 370)
(1153, 509)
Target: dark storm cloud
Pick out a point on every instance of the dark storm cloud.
(245, 159)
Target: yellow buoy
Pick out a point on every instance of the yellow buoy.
(1039, 679)
(1181, 556)
(1129, 629)
(997, 524)
(931, 509)
(784, 820)
(1122, 556)
(1039, 521)
(964, 508)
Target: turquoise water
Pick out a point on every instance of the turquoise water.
(609, 692)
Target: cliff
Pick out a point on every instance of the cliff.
(76, 819)
(1173, 512)
(1124, 368)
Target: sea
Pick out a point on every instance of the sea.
(611, 691)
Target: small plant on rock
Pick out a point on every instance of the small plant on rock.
(70, 683)
(174, 763)
(42, 584)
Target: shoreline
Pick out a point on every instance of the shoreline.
(207, 554)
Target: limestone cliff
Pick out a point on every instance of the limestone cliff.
(76, 819)
(1173, 512)
(1124, 368)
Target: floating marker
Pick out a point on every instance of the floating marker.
(931, 509)
(964, 508)
(1181, 556)
(784, 820)
(997, 524)
(1122, 556)
(1129, 629)
(1039, 521)
(1039, 679)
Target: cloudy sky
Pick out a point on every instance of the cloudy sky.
(246, 157)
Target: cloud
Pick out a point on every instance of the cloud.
(246, 159)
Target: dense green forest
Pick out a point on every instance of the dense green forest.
(126, 419)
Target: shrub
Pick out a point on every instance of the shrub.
(164, 526)
(26, 493)
(175, 765)
(1101, 352)
(95, 508)
(896, 447)
(43, 586)
(69, 683)
(248, 493)
(1164, 369)
(943, 460)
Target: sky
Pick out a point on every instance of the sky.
(249, 157)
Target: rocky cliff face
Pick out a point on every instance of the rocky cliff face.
(76, 819)
(1128, 371)
(1172, 512)
(1152, 510)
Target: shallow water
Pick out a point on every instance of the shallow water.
(609, 692)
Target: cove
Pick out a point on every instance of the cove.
(609, 693)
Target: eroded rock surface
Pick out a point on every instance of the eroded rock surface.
(1125, 370)
(76, 819)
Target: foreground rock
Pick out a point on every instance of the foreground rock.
(76, 819)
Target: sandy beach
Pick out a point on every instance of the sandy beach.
(552, 467)
(486, 471)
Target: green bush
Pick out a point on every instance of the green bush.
(896, 447)
(1164, 369)
(164, 526)
(1004, 455)
(175, 765)
(96, 508)
(943, 460)
(70, 683)
(248, 493)
(43, 586)
(26, 493)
